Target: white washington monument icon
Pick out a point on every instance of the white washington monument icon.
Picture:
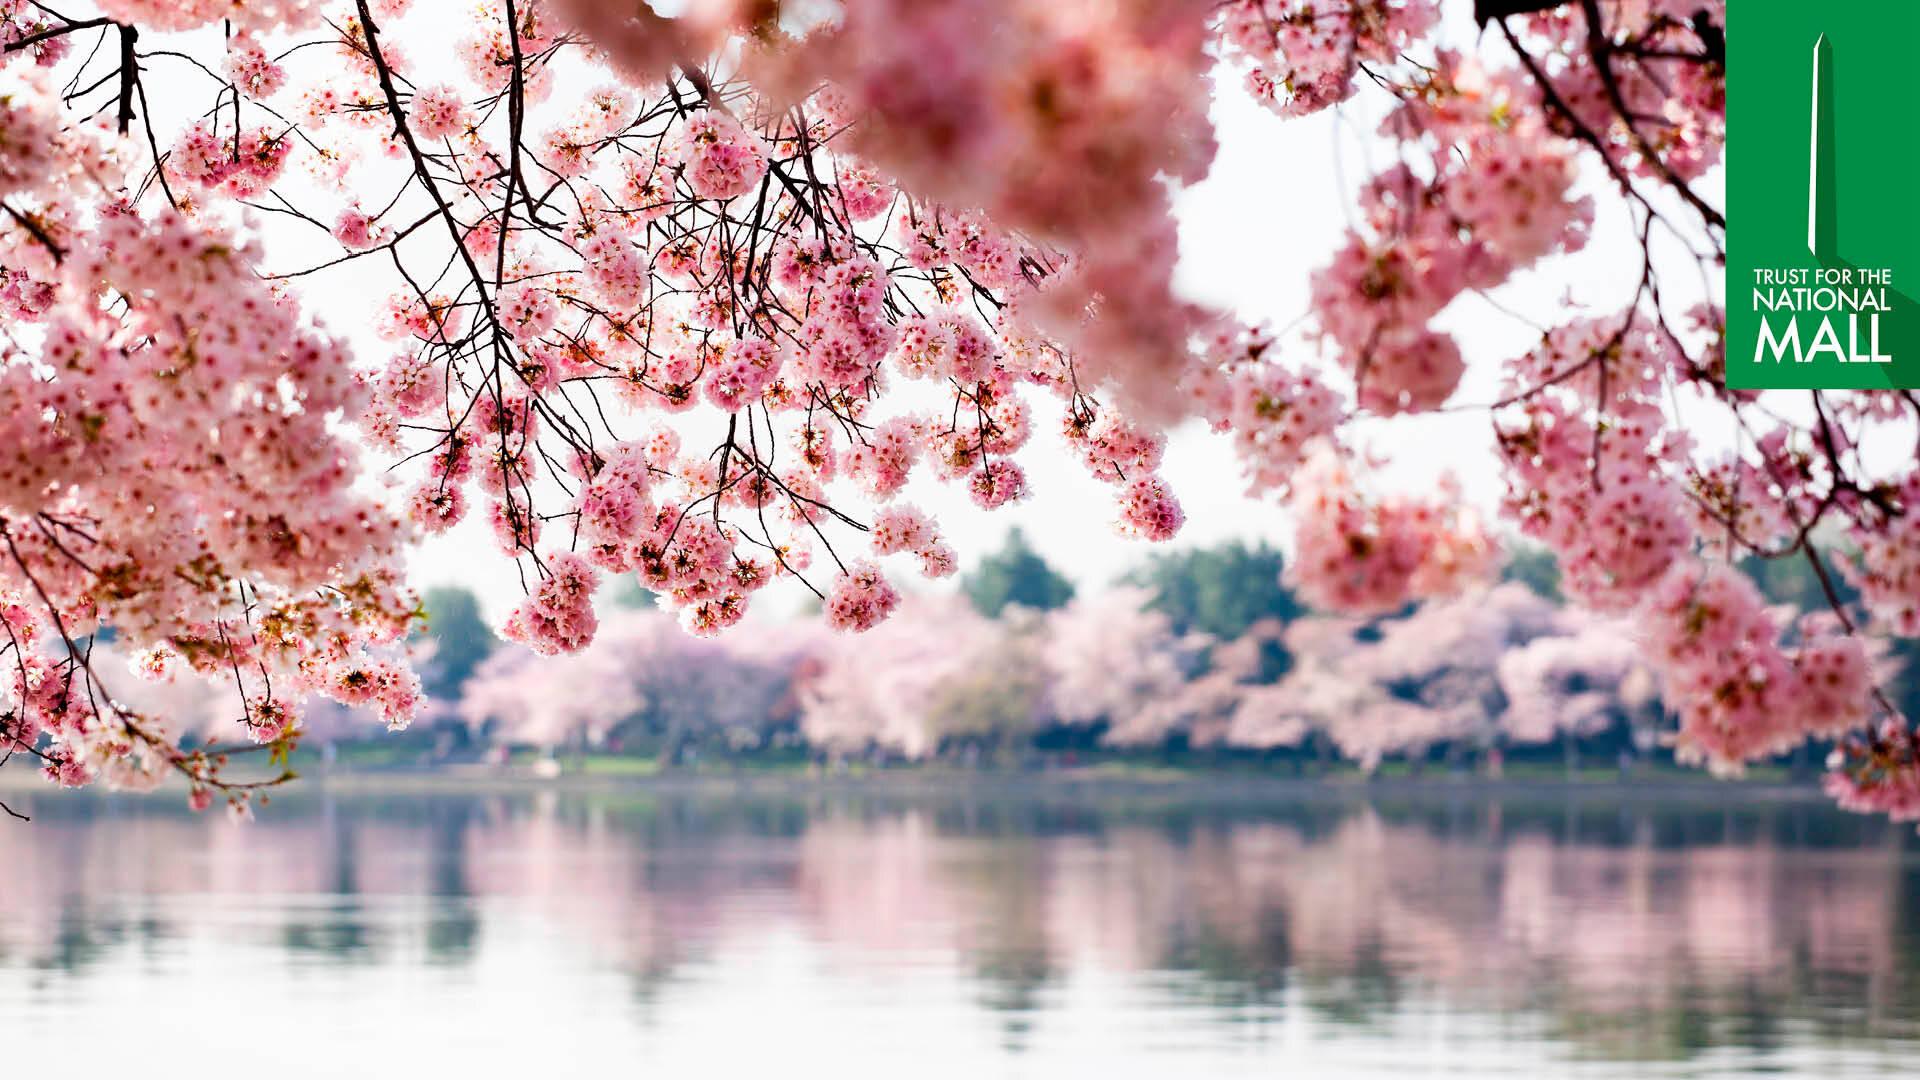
(1820, 163)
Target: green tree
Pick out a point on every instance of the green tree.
(1223, 592)
(1534, 566)
(1220, 590)
(460, 639)
(1791, 579)
(995, 705)
(1016, 574)
(1904, 688)
(632, 595)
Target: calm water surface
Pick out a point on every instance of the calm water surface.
(947, 935)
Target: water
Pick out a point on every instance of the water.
(947, 934)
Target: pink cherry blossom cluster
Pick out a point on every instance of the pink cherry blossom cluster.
(250, 69)
(391, 688)
(487, 51)
(1590, 476)
(743, 374)
(904, 528)
(252, 15)
(1739, 504)
(173, 470)
(438, 111)
(691, 561)
(1366, 555)
(431, 318)
(47, 707)
(356, 229)
(1878, 772)
(1302, 57)
(1149, 510)
(1276, 416)
(1495, 200)
(1595, 472)
(1113, 448)
(1676, 108)
(1887, 572)
(1057, 119)
(860, 599)
(241, 165)
(1741, 695)
(719, 158)
(845, 333)
(558, 617)
(21, 22)
(881, 463)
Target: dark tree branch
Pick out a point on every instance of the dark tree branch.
(39, 234)
(1486, 11)
(58, 31)
(129, 75)
(1712, 37)
(1601, 48)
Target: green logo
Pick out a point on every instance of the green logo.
(1823, 177)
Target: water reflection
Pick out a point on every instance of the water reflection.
(1597, 935)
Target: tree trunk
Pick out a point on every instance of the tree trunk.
(670, 746)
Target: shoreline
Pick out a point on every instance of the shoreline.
(1050, 786)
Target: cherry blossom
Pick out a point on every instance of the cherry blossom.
(695, 300)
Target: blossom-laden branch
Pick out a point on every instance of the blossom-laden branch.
(699, 299)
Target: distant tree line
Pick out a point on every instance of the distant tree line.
(1204, 651)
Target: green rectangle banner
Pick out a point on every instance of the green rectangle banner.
(1822, 176)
